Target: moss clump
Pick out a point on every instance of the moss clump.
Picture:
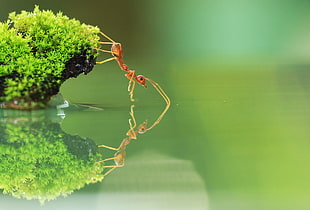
(40, 161)
(39, 50)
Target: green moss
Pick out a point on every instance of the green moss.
(39, 50)
(40, 161)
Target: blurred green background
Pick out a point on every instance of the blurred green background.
(237, 73)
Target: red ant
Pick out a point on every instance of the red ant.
(117, 52)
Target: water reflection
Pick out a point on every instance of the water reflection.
(132, 133)
(40, 161)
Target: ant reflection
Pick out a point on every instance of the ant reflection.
(119, 156)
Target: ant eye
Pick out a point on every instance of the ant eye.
(142, 130)
(141, 79)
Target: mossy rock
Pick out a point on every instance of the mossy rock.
(40, 161)
(40, 50)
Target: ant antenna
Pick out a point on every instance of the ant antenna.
(165, 97)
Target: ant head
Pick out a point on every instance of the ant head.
(117, 50)
(141, 80)
(142, 128)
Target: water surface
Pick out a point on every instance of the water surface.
(231, 140)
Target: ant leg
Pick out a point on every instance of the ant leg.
(113, 167)
(131, 133)
(109, 171)
(106, 60)
(112, 158)
(118, 159)
(111, 43)
(108, 147)
(102, 50)
(106, 36)
(131, 88)
(106, 42)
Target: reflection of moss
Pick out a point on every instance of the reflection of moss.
(39, 50)
(38, 162)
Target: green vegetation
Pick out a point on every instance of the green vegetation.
(40, 161)
(39, 50)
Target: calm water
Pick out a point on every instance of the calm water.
(232, 139)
